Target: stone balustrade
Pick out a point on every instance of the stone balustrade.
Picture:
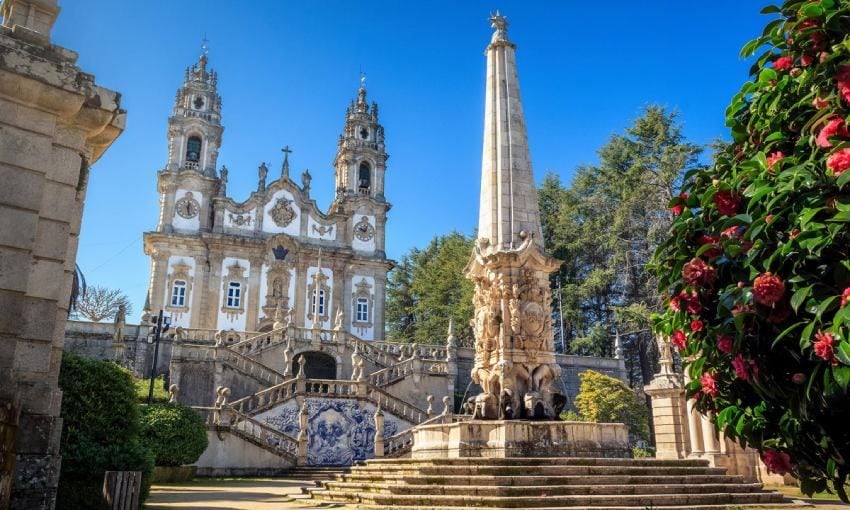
(266, 399)
(249, 366)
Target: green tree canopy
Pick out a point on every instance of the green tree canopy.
(604, 399)
(427, 288)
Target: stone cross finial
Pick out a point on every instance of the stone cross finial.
(284, 169)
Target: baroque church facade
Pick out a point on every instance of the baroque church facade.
(274, 258)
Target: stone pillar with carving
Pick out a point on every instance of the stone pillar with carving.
(303, 436)
(379, 432)
(668, 407)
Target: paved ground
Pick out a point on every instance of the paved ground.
(231, 494)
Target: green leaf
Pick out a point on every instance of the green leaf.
(799, 296)
(812, 10)
(785, 333)
(767, 75)
(825, 305)
(841, 376)
(808, 214)
(843, 352)
(770, 9)
(806, 336)
(842, 179)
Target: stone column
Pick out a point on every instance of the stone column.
(198, 297)
(252, 307)
(301, 282)
(212, 288)
(668, 407)
(159, 279)
(55, 122)
(380, 305)
(694, 430)
(709, 435)
(379, 432)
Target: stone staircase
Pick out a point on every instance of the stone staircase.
(543, 483)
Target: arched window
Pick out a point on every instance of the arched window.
(318, 365)
(178, 293)
(364, 177)
(362, 311)
(193, 149)
(234, 294)
(321, 303)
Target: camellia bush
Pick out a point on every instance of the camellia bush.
(757, 265)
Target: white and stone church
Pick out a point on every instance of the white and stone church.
(222, 264)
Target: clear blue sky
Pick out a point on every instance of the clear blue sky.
(287, 71)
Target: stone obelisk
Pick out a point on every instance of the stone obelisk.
(514, 349)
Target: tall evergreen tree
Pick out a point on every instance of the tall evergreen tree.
(427, 289)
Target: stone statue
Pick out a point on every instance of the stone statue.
(305, 181)
(263, 172)
(339, 319)
(120, 323)
(279, 316)
(173, 391)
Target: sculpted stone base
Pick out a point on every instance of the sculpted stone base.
(521, 438)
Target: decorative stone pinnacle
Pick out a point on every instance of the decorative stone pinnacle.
(500, 23)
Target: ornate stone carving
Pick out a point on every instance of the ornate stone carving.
(283, 213)
(180, 272)
(240, 220)
(277, 287)
(363, 230)
(323, 230)
(514, 352)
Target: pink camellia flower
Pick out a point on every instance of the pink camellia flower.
(697, 273)
(676, 303)
(692, 305)
(725, 343)
(773, 159)
(679, 339)
(731, 232)
(834, 128)
(806, 60)
(697, 326)
(798, 378)
(842, 78)
(768, 289)
(783, 63)
(839, 161)
(727, 202)
(845, 297)
(825, 347)
(768, 218)
(820, 103)
(742, 367)
(776, 461)
(709, 384)
(715, 250)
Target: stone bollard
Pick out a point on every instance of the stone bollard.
(301, 383)
(303, 440)
(379, 432)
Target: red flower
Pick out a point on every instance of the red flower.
(768, 289)
(679, 339)
(773, 159)
(776, 461)
(783, 63)
(697, 326)
(676, 303)
(818, 40)
(839, 161)
(820, 103)
(768, 218)
(834, 128)
(742, 367)
(843, 80)
(794, 233)
(825, 347)
(691, 301)
(709, 384)
(727, 202)
(731, 232)
(680, 207)
(715, 251)
(845, 297)
(725, 343)
(697, 273)
(798, 378)
(806, 60)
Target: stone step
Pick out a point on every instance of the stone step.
(772, 506)
(542, 490)
(505, 481)
(542, 470)
(635, 501)
(536, 461)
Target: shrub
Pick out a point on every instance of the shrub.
(604, 399)
(756, 267)
(175, 433)
(100, 430)
(160, 393)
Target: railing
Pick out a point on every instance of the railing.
(396, 406)
(265, 399)
(401, 443)
(258, 342)
(331, 388)
(197, 353)
(391, 374)
(250, 367)
(207, 336)
(435, 367)
(282, 443)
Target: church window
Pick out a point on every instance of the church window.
(321, 303)
(362, 310)
(364, 177)
(234, 294)
(193, 149)
(178, 293)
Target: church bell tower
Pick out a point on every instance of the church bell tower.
(189, 180)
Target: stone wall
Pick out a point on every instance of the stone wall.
(54, 123)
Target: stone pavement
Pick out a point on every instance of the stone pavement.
(233, 494)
